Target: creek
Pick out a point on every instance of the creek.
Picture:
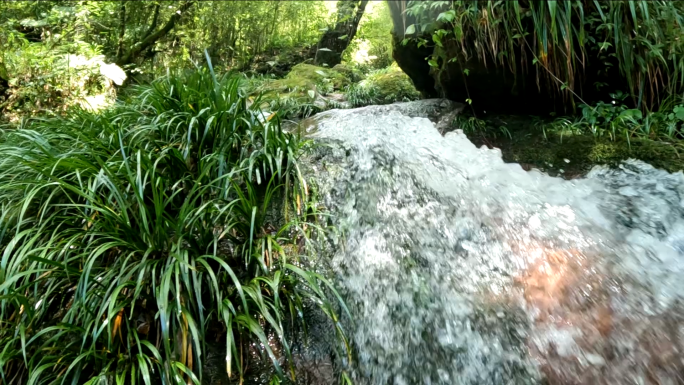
(459, 268)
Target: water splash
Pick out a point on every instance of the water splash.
(462, 269)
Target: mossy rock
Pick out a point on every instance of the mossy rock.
(352, 73)
(302, 79)
(574, 155)
(287, 86)
(318, 75)
(391, 85)
(668, 156)
(584, 152)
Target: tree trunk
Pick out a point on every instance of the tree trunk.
(153, 25)
(334, 41)
(149, 40)
(122, 29)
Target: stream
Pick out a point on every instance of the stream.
(459, 268)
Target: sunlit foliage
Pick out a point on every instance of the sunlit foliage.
(127, 236)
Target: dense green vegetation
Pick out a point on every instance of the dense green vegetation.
(57, 54)
(150, 197)
(153, 207)
(621, 63)
(41, 41)
(130, 234)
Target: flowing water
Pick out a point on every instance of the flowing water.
(461, 269)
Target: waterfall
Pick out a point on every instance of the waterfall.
(459, 268)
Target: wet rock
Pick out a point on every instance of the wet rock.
(491, 84)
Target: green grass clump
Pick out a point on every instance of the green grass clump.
(128, 238)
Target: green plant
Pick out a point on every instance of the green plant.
(359, 95)
(640, 38)
(129, 236)
(616, 120)
(472, 125)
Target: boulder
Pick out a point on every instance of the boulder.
(383, 87)
(318, 75)
(490, 86)
(304, 77)
(306, 89)
(351, 72)
(394, 86)
(411, 59)
(278, 62)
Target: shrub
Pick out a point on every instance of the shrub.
(53, 76)
(128, 236)
(616, 121)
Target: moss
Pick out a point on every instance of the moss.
(301, 92)
(385, 86)
(577, 154)
(303, 79)
(351, 72)
(668, 156)
(318, 75)
(394, 86)
(291, 87)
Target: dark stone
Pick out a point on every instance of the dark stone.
(411, 59)
(493, 87)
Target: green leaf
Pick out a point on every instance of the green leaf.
(411, 29)
(343, 37)
(446, 16)
(437, 40)
(433, 63)
(679, 113)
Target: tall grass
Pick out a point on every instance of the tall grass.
(127, 238)
(559, 39)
